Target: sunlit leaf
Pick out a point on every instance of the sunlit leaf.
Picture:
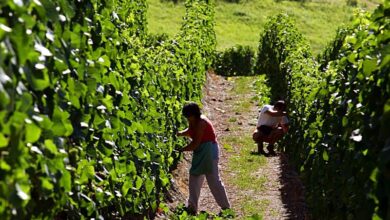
(369, 65)
(4, 165)
(43, 50)
(33, 132)
(49, 145)
(22, 193)
(325, 155)
(3, 140)
(66, 181)
(46, 184)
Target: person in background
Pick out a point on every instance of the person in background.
(204, 159)
(272, 125)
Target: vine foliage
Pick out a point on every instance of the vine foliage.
(340, 110)
(89, 105)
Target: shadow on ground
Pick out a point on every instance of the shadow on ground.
(292, 191)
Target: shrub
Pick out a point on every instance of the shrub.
(352, 3)
(279, 39)
(332, 51)
(235, 61)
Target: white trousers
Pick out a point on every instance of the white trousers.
(215, 184)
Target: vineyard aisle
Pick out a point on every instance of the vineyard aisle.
(257, 186)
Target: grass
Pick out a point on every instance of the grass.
(252, 207)
(232, 119)
(242, 23)
(242, 163)
(258, 84)
(164, 17)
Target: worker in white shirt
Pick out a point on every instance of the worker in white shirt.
(272, 124)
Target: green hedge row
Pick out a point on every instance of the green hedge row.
(236, 61)
(332, 51)
(89, 105)
(339, 109)
(279, 39)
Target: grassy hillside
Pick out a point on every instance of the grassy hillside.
(241, 23)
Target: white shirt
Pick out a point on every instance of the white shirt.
(266, 119)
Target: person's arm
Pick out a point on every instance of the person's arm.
(285, 127)
(184, 132)
(198, 134)
(285, 124)
(259, 117)
(274, 113)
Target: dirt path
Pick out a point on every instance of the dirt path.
(281, 193)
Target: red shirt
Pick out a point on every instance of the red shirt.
(208, 133)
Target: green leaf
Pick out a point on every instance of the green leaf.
(325, 155)
(89, 171)
(4, 165)
(138, 182)
(140, 154)
(164, 179)
(68, 8)
(49, 145)
(3, 141)
(25, 103)
(138, 127)
(68, 128)
(39, 80)
(22, 191)
(345, 121)
(4, 98)
(385, 61)
(61, 126)
(59, 129)
(105, 61)
(351, 39)
(126, 186)
(374, 175)
(33, 133)
(46, 184)
(149, 186)
(369, 66)
(22, 44)
(130, 168)
(352, 57)
(86, 171)
(66, 181)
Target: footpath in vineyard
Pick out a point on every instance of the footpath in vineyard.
(256, 185)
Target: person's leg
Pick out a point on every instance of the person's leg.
(271, 151)
(276, 135)
(257, 137)
(260, 148)
(216, 187)
(195, 185)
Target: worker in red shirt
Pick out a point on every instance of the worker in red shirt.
(204, 159)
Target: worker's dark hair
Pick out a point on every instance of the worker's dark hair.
(280, 105)
(191, 109)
